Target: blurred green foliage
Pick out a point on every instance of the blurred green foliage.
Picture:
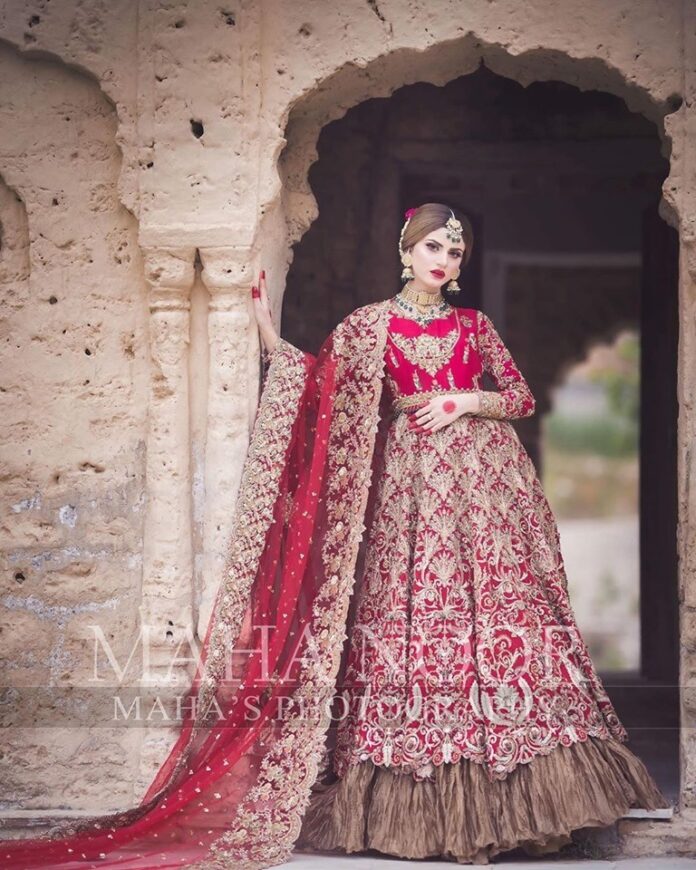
(622, 385)
(613, 434)
(601, 436)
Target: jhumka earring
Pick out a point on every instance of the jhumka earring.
(407, 273)
(406, 258)
(454, 231)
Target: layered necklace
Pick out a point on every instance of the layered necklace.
(430, 352)
(412, 302)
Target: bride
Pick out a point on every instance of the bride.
(392, 662)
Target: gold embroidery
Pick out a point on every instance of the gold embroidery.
(514, 398)
(457, 609)
(254, 507)
(392, 357)
(470, 342)
(430, 352)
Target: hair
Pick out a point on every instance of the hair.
(432, 216)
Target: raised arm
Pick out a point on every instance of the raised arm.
(513, 399)
(271, 343)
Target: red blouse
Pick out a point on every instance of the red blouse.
(449, 355)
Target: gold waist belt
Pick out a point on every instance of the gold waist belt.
(403, 402)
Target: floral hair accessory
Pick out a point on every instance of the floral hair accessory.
(409, 212)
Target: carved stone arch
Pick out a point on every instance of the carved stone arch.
(111, 90)
(357, 81)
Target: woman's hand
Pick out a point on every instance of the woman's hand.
(262, 312)
(441, 410)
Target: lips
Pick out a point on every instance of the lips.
(437, 273)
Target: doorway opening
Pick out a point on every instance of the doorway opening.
(562, 187)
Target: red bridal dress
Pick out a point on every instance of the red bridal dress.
(392, 661)
(471, 720)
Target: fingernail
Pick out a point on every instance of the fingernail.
(255, 291)
(263, 274)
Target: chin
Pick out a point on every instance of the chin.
(432, 281)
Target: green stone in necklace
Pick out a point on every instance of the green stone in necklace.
(440, 310)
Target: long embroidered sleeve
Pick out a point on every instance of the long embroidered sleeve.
(287, 350)
(513, 399)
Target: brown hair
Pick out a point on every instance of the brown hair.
(432, 216)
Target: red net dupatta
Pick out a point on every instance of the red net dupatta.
(233, 790)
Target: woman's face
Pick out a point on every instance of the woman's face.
(436, 260)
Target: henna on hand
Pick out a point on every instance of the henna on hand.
(438, 412)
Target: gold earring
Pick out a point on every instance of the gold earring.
(453, 287)
(407, 274)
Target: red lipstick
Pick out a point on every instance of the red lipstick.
(437, 273)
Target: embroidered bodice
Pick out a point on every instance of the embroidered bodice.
(449, 355)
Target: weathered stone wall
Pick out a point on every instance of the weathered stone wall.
(74, 398)
(127, 400)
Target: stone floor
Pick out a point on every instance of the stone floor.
(363, 862)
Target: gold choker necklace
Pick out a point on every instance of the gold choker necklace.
(422, 297)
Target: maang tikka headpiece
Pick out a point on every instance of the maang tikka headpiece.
(453, 230)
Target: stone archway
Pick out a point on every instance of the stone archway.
(439, 64)
(352, 85)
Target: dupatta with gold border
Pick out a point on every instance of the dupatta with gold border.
(233, 789)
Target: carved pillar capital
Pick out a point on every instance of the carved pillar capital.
(226, 270)
(169, 273)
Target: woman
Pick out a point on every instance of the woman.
(472, 718)
(385, 501)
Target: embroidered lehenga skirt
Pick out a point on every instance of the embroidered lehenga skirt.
(471, 719)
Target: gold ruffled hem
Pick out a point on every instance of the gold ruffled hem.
(461, 815)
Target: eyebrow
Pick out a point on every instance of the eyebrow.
(438, 243)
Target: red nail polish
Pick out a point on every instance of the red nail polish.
(263, 274)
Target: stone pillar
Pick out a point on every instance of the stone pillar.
(233, 390)
(167, 608)
(686, 533)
